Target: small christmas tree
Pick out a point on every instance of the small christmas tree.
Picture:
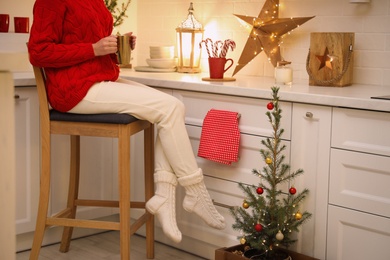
(270, 214)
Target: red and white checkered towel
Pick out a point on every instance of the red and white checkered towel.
(220, 137)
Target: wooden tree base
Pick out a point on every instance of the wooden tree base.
(227, 253)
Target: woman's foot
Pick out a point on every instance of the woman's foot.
(198, 200)
(163, 205)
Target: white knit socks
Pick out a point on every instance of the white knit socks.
(198, 200)
(163, 205)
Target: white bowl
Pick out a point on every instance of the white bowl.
(162, 63)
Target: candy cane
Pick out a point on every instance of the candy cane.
(216, 48)
(208, 40)
(228, 43)
(207, 49)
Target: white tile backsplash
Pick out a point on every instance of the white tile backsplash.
(370, 23)
(156, 21)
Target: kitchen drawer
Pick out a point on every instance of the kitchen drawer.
(357, 235)
(253, 119)
(360, 181)
(241, 171)
(359, 130)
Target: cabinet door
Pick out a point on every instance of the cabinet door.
(97, 173)
(310, 151)
(357, 235)
(27, 158)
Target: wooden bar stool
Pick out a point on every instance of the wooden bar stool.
(120, 126)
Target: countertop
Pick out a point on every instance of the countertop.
(354, 96)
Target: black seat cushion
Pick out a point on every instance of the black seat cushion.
(92, 118)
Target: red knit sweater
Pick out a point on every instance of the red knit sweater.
(61, 39)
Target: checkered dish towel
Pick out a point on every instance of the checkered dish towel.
(220, 137)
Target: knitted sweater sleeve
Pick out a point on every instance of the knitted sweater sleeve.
(47, 46)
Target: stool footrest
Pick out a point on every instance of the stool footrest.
(67, 222)
(108, 203)
(97, 224)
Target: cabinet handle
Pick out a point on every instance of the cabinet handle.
(16, 96)
(222, 205)
(309, 114)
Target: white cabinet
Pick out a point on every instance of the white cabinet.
(310, 151)
(345, 155)
(345, 159)
(27, 158)
(359, 196)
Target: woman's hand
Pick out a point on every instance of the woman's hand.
(132, 40)
(106, 45)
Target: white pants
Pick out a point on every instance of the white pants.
(173, 151)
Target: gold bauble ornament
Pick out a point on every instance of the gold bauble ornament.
(268, 160)
(245, 205)
(242, 241)
(298, 215)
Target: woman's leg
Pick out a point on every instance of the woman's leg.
(167, 113)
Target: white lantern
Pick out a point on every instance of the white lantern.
(189, 35)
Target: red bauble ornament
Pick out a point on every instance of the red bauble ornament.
(258, 227)
(259, 190)
(292, 190)
(270, 106)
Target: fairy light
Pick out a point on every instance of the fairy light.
(267, 18)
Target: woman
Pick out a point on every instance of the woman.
(72, 40)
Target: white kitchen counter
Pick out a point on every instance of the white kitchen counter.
(355, 96)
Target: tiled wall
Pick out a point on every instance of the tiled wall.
(154, 22)
(157, 20)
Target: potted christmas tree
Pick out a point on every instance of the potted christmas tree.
(270, 212)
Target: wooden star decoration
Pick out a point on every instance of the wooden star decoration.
(266, 32)
(325, 60)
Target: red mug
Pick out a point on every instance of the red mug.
(217, 67)
(21, 24)
(4, 22)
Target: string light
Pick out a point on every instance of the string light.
(268, 16)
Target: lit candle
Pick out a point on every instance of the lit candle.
(283, 73)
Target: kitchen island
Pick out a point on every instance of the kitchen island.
(338, 136)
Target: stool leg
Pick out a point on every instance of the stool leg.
(74, 180)
(149, 186)
(43, 195)
(124, 190)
